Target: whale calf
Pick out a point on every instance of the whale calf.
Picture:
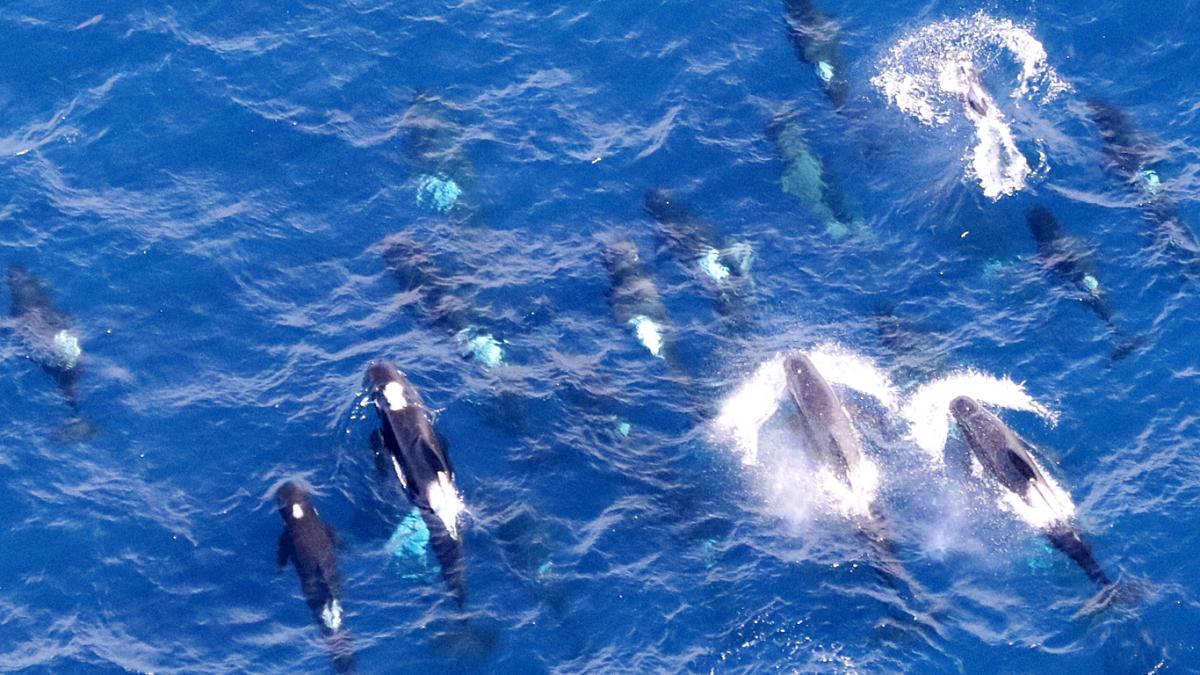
(311, 546)
(440, 301)
(1008, 461)
(45, 331)
(418, 457)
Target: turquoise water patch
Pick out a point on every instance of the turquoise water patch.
(439, 193)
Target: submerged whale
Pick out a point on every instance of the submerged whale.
(418, 456)
(634, 298)
(1131, 158)
(440, 302)
(805, 178)
(45, 331)
(433, 145)
(311, 545)
(817, 42)
(1070, 260)
(692, 241)
(1008, 461)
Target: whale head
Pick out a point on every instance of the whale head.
(294, 503)
(1043, 225)
(987, 436)
(663, 206)
(388, 387)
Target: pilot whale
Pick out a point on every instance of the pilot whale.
(45, 331)
(1131, 158)
(1008, 461)
(440, 302)
(815, 37)
(311, 545)
(634, 298)
(806, 178)
(418, 456)
(1070, 261)
(826, 426)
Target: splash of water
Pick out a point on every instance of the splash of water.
(927, 410)
(848, 369)
(926, 75)
(790, 482)
(749, 407)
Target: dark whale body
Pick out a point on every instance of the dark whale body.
(695, 245)
(634, 297)
(1007, 459)
(827, 427)
(418, 457)
(1071, 262)
(45, 331)
(311, 545)
(1132, 159)
(439, 301)
(814, 36)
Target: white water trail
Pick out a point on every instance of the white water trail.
(927, 410)
(924, 75)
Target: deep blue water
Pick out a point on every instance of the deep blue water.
(208, 189)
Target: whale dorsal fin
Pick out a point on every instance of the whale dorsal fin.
(1022, 466)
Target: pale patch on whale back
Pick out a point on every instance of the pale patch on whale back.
(710, 263)
(648, 333)
(393, 393)
(446, 503)
(297, 511)
(66, 349)
(928, 408)
(743, 412)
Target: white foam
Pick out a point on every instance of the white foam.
(1043, 506)
(857, 372)
(925, 74)
(446, 503)
(927, 410)
(297, 511)
(749, 407)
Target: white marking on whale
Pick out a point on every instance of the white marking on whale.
(393, 393)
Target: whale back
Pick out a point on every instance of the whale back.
(422, 465)
(1001, 452)
(826, 424)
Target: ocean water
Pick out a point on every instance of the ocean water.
(210, 190)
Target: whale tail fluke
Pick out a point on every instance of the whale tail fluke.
(341, 647)
(1067, 540)
(1127, 344)
(449, 552)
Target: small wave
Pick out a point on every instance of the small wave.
(932, 74)
(927, 410)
